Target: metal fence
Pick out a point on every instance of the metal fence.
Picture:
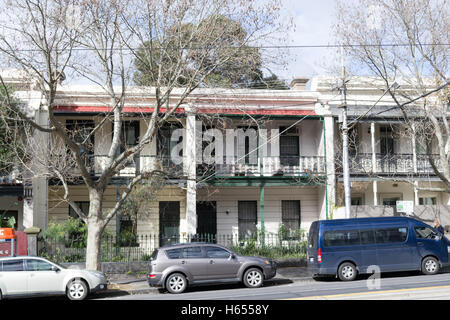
(140, 247)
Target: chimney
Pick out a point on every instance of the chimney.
(299, 83)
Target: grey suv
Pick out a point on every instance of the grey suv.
(175, 267)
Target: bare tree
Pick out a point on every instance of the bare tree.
(97, 41)
(405, 41)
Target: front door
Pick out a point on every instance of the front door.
(207, 220)
(429, 243)
(41, 277)
(169, 222)
(221, 263)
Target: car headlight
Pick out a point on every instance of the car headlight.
(98, 275)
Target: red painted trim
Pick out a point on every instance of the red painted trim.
(95, 109)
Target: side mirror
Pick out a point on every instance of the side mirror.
(55, 268)
(233, 256)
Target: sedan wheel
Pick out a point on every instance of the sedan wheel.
(253, 278)
(77, 290)
(176, 283)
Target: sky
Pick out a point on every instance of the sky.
(313, 26)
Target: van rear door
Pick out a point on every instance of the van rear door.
(313, 244)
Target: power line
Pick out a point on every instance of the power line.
(243, 48)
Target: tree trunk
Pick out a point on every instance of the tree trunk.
(93, 250)
(95, 226)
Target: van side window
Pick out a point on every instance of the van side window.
(391, 235)
(367, 237)
(341, 238)
(424, 233)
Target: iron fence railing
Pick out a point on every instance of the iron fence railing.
(140, 247)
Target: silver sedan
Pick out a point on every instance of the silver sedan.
(34, 276)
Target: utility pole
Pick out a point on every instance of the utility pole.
(345, 162)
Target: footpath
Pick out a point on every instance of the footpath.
(137, 284)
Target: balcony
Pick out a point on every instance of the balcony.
(271, 166)
(362, 163)
(138, 163)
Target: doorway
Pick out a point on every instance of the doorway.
(169, 222)
(207, 219)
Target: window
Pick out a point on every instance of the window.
(427, 201)
(391, 235)
(130, 134)
(356, 201)
(128, 231)
(79, 130)
(217, 253)
(7, 215)
(367, 236)
(290, 214)
(77, 238)
(13, 265)
(174, 253)
(424, 233)
(386, 140)
(38, 265)
(289, 148)
(249, 144)
(341, 238)
(247, 218)
(164, 143)
(192, 252)
(83, 205)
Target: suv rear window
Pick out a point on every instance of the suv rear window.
(154, 255)
(174, 254)
(13, 265)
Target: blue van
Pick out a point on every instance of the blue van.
(348, 247)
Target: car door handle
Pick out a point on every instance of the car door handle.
(420, 243)
(183, 262)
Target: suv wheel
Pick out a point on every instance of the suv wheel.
(253, 278)
(347, 272)
(430, 265)
(176, 283)
(77, 290)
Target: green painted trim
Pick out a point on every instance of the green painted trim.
(326, 172)
(266, 181)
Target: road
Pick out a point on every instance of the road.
(390, 287)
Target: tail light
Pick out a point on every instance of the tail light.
(151, 276)
(319, 255)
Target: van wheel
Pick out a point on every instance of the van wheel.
(430, 265)
(347, 271)
(176, 283)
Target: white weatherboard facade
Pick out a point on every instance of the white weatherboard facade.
(299, 171)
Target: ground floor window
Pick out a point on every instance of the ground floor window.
(128, 231)
(290, 217)
(427, 201)
(247, 218)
